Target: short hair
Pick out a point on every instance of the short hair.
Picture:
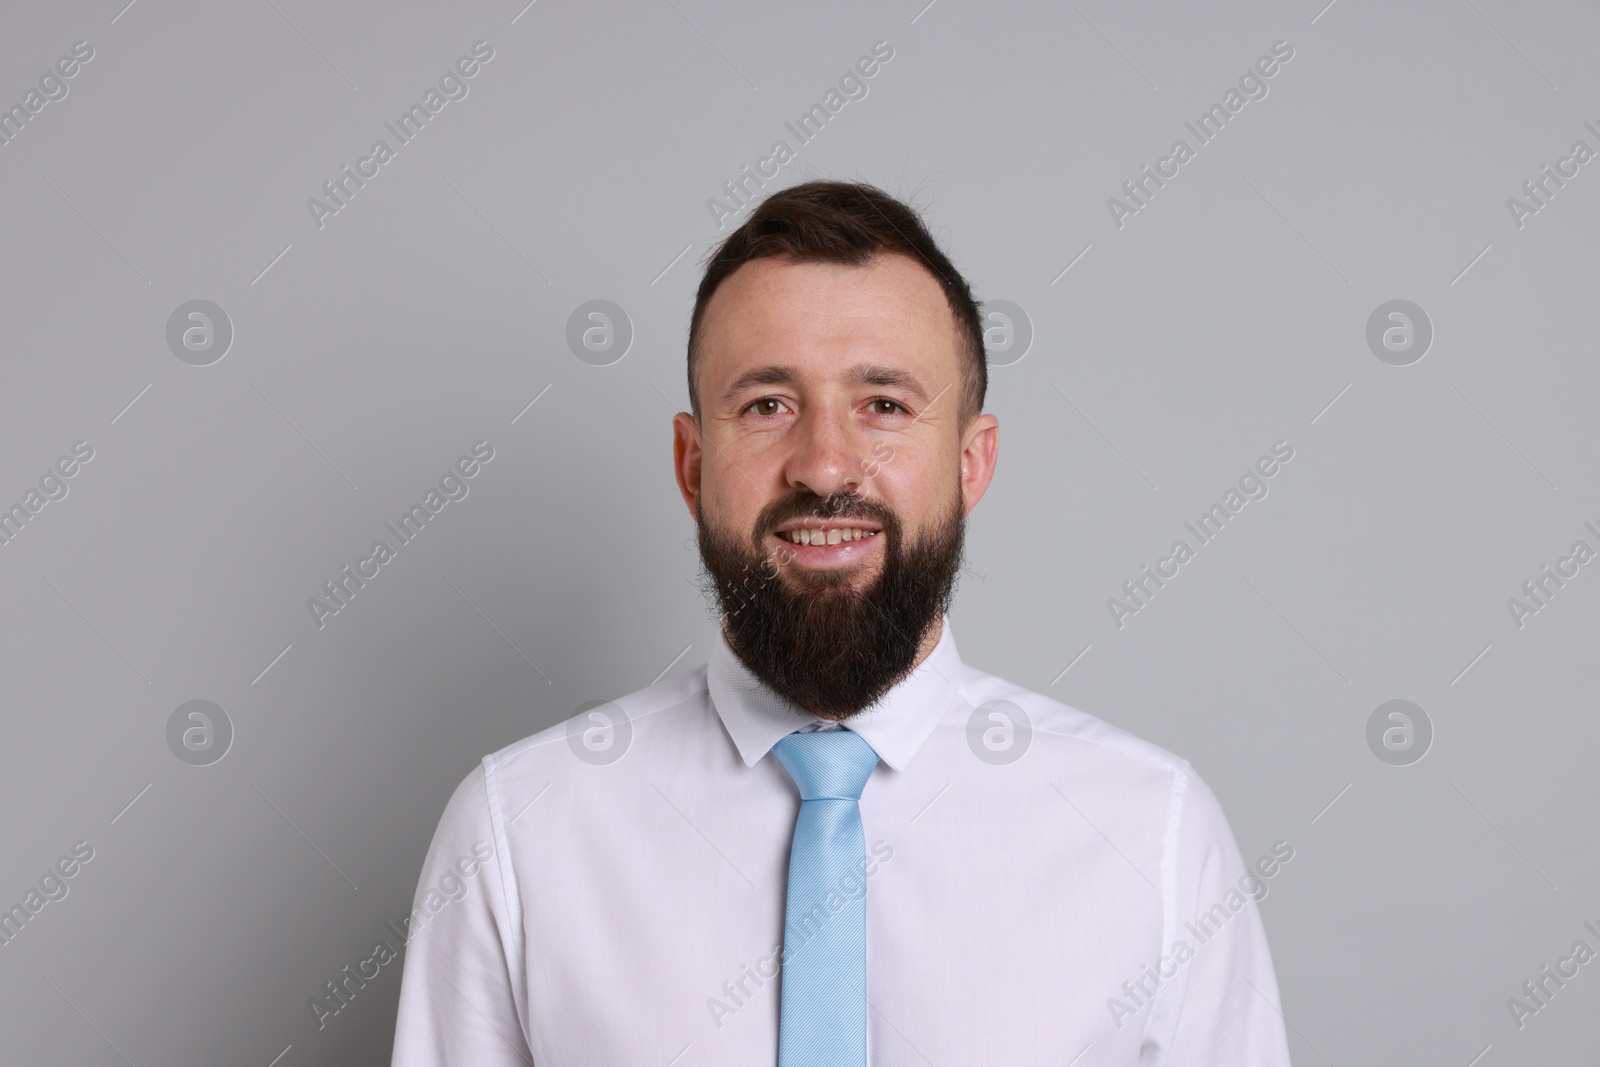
(848, 223)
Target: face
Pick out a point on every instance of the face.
(829, 475)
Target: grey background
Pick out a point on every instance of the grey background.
(1228, 314)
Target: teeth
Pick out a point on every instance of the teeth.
(832, 537)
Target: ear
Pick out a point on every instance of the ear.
(686, 455)
(980, 450)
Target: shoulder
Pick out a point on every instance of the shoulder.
(1067, 733)
(1123, 767)
(598, 734)
(641, 712)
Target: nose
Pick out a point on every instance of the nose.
(828, 455)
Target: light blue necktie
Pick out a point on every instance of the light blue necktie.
(824, 1000)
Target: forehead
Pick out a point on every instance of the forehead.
(827, 317)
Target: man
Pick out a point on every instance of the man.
(684, 876)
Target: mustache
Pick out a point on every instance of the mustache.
(835, 507)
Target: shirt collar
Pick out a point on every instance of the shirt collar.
(896, 726)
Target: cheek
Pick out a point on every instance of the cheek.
(730, 505)
(916, 485)
(740, 477)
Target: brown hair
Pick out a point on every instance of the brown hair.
(848, 223)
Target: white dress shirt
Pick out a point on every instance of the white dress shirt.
(1020, 910)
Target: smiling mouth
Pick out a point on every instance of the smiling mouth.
(827, 535)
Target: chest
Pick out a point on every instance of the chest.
(653, 934)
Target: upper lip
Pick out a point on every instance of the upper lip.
(832, 524)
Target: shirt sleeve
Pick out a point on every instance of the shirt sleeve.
(460, 988)
(1218, 999)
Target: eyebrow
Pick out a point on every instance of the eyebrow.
(860, 374)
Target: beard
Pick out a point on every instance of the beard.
(813, 636)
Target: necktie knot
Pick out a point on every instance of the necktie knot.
(827, 764)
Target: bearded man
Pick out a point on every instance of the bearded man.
(684, 875)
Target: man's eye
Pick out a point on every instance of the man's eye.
(762, 404)
(894, 404)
